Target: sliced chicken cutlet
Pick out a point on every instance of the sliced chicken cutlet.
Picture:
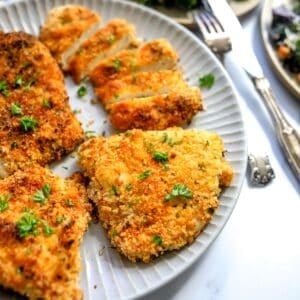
(42, 221)
(36, 125)
(155, 55)
(155, 190)
(117, 35)
(142, 84)
(158, 112)
(65, 28)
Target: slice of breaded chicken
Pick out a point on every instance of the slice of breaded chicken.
(143, 84)
(36, 124)
(117, 35)
(65, 27)
(155, 55)
(175, 108)
(155, 190)
(42, 221)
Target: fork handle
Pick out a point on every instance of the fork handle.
(288, 137)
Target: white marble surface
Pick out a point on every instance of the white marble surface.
(257, 255)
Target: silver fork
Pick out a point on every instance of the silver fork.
(218, 40)
(214, 35)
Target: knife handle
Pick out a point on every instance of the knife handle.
(288, 137)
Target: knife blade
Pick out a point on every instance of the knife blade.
(288, 137)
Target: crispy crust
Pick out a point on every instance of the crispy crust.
(42, 266)
(138, 220)
(115, 36)
(139, 85)
(152, 56)
(64, 25)
(58, 131)
(156, 112)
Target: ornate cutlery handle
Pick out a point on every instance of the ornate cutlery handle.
(288, 137)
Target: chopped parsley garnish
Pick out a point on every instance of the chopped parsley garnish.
(16, 109)
(165, 167)
(13, 145)
(28, 123)
(207, 81)
(82, 91)
(46, 228)
(117, 64)
(157, 240)
(166, 139)
(115, 190)
(19, 81)
(3, 88)
(160, 157)
(29, 84)
(4, 202)
(128, 187)
(179, 190)
(59, 220)
(26, 64)
(27, 225)
(111, 39)
(41, 196)
(69, 203)
(144, 175)
(47, 103)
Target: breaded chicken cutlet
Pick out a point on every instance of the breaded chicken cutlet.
(37, 125)
(65, 27)
(155, 190)
(42, 221)
(115, 36)
(155, 55)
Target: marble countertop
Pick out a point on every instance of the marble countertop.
(257, 255)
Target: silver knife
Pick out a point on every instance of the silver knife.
(288, 137)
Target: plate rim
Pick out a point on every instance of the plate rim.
(237, 99)
(282, 74)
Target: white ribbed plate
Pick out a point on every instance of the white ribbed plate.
(109, 276)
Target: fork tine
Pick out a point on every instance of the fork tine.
(213, 21)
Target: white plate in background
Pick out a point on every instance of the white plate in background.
(110, 276)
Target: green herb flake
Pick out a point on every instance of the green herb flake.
(69, 203)
(26, 64)
(156, 239)
(160, 157)
(27, 225)
(144, 175)
(28, 123)
(207, 81)
(114, 233)
(117, 64)
(46, 228)
(4, 202)
(82, 91)
(47, 103)
(59, 220)
(112, 38)
(115, 190)
(19, 81)
(164, 138)
(16, 109)
(29, 84)
(128, 187)
(41, 196)
(179, 190)
(3, 88)
(165, 167)
(13, 145)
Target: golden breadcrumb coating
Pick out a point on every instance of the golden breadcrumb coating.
(155, 190)
(64, 25)
(117, 35)
(32, 91)
(143, 84)
(42, 221)
(156, 112)
(154, 55)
